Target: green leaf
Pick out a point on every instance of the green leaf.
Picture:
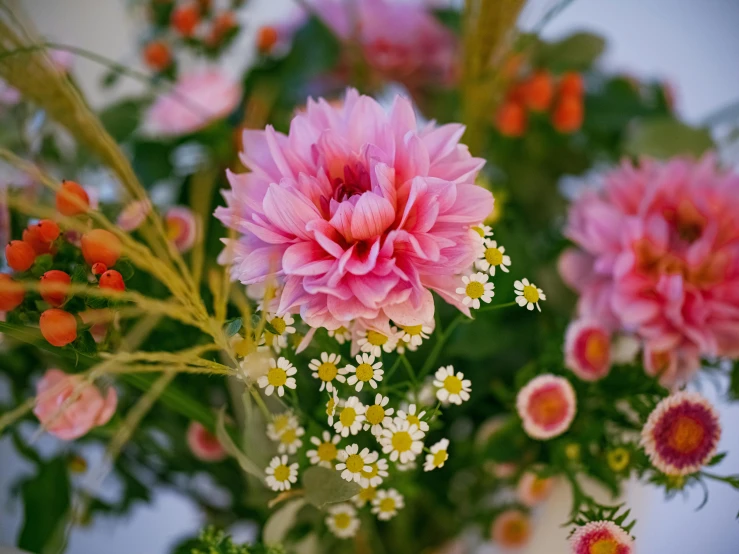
(269, 328)
(228, 444)
(45, 504)
(665, 137)
(233, 327)
(326, 486)
(125, 268)
(717, 459)
(576, 52)
(42, 264)
(280, 522)
(121, 119)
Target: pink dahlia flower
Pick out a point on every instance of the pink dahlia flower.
(658, 255)
(196, 100)
(204, 444)
(359, 213)
(68, 407)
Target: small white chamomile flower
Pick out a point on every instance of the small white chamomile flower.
(376, 475)
(350, 418)
(376, 415)
(352, 462)
(342, 520)
(528, 294)
(278, 377)
(374, 342)
(331, 405)
(281, 475)
(367, 494)
(279, 423)
(289, 441)
(326, 450)
(493, 257)
(482, 230)
(414, 418)
(415, 334)
(342, 334)
(402, 441)
(367, 370)
(452, 387)
(476, 289)
(326, 370)
(387, 503)
(438, 455)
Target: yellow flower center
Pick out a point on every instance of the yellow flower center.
(355, 463)
(531, 294)
(364, 372)
(387, 504)
(330, 406)
(243, 348)
(372, 472)
(479, 230)
(596, 349)
(539, 486)
(342, 521)
(375, 338)
(368, 494)
(327, 371)
(618, 459)
(413, 420)
(375, 414)
(402, 441)
(474, 289)
(453, 384)
(685, 434)
(175, 228)
(326, 451)
(289, 436)
(277, 377)
(282, 472)
(281, 421)
(604, 546)
(515, 531)
(340, 331)
(347, 417)
(413, 330)
(279, 324)
(572, 451)
(440, 457)
(493, 256)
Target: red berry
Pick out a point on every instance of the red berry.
(32, 235)
(112, 280)
(11, 293)
(267, 37)
(99, 268)
(48, 230)
(101, 246)
(157, 55)
(20, 255)
(54, 287)
(539, 91)
(185, 19)
(571, 84)
(511, 119)
(71, 199)
(568, 114)
(58, 327)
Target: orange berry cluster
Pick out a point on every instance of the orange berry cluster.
(540, 93)
(100, 249)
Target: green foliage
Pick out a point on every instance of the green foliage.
(665, 137)
(577, 52)
(122, 118)
(215, 541)
(326, 486)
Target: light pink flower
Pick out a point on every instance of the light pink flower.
(182, 227)
(204, 444)
(601, 536)
(547, 406)
(88, 409)
(588, 349)
(359, 213)
(511, 529)
(658, 255)
(532, 489)
(133, 215)
(197, 99)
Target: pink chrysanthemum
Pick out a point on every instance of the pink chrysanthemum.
(196, 100)
(511, 529)
(182, 227)
(658, 254)
(547, 406)
(532, 489)
(133, 215)
(681, 434)
(204, 444)
(601, 537)
(588, 349)
(359, 213)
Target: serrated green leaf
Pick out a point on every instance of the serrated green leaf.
(228, 444)
(233, 327)
(665, 137)
(279, 523)
(326, 486)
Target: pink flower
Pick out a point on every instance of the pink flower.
(601, 536)
(88, 408)
(182, 227)
(547, 406)
(588, 349)
(133, 215)
(359, 213)
(197, 99)
(532, 489)
(511, 529)
(203, 444)
(658, 255)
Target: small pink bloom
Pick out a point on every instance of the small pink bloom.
(547, 406)
(203, 444)
(182, 227)
(601, 536)
(133, 215)
(197, 99)
(671, 362)
(533, 490)
(588, 349)
(9, 96)
(88, 409)
(100, 320)
(504, 470)
(511, 529)
(681, 434)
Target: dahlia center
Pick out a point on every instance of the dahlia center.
(453, 384)
(279, 325)
(355, 463)
(440, 457)
(685, 434)
(531, 294)
(342, 521)
(347, 417)
(547, 407)
(327, 371)
(277, 377)
(402, 441)
(364, 372)
(474, 289)
(326, 451)
(282, 472)
(375, 338)
(493, 256)
(604, 546)
(375, 414)
(354, 181)
(387, 505)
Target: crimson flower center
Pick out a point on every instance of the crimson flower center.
(685, 434)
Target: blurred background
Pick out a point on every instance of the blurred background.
(692, 45)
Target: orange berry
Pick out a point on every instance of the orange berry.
(98, 268)
(568, 114)
(20, 255)
(511, 119)
(101, 246)
(512, 65)
(571, 84)
(48, 230)
(11, 293)
(113, 280)
(157, 55)
(32, 235)
(185, 18)
(54, 287)
(58, 327)
(539, 91)
(71, 199)
(267, 37)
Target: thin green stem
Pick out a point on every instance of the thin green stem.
(493, 307)
(440, 341)
(409, 369)
(260, 403)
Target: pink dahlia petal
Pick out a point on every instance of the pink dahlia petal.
(372, 216)
(601, 536)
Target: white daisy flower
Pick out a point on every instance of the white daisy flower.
(482, 230)
(414, 418)
(351, 417)
(278, 377)
(438, 455)
(352, 462)
(528, 294)
(376, 475)
(404, 345)
(476, 288)
(326, 451)
(366, 371)
(326, 370)
(280, 423)
(333, 402)
(280, 475)
(342, 520)
(387, 503)
(410, 466)
(282, 324)
(377, 415)
(342, 334)
(401, 440)
(415, 334)
(452, 388)
(493, 257)
(374, 342)
(367, 494)
(289, 440)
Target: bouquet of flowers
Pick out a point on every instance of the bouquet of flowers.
(348, 339)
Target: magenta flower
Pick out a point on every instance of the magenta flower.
(182, 227)
(68, 407)
(658, 255)
(601, 536)
(359, 213)
(203, 444)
